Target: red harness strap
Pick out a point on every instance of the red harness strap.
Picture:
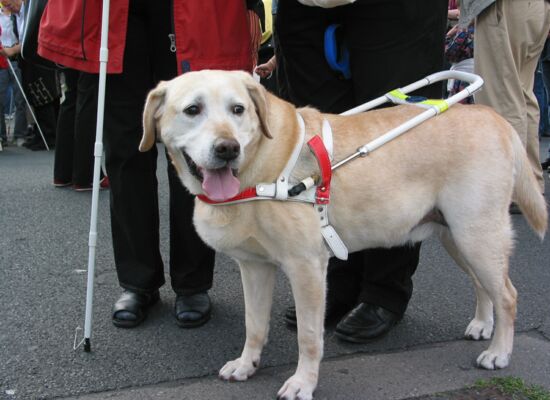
(318, 148)
(248, 193)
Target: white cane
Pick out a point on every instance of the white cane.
(98, 152)
(28, 104)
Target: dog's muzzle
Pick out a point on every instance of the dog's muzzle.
(220, 183)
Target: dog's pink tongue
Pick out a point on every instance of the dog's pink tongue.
(220, 184)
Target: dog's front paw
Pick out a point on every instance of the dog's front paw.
(479, 329)
(493, 360)
(296, 388)
(238, 370)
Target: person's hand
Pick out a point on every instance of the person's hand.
(8, 52)
(265, 70)
(454, 30)
(453, 14)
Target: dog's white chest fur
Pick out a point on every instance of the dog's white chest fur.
(229, 230)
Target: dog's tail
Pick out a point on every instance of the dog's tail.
(527, 194)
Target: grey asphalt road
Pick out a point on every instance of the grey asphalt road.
(43, 259)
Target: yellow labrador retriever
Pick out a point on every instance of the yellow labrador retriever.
(454, 175)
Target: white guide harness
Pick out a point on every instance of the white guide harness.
(316, 190)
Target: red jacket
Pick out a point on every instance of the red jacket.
(210, 34)
(3, 61)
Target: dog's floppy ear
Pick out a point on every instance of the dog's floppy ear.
(152, 111)
(258, 95)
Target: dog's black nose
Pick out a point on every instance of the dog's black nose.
(227, 149)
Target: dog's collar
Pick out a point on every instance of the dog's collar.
(318, 195)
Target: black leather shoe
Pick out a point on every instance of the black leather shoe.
(333, 313)
(31, 141)
(366, 322)
(131, 308)
(192, 311)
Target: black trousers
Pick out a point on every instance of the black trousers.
(132, 174)
(64, 141)
(42, 89)
(391, 43)
(76, 128)
(46, 115)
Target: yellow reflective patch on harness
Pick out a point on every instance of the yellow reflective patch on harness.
(441, 105)
(398, 94)
(402, 98)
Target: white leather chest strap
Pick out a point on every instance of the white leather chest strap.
(327, 138)
(281, 191)
(332, 239)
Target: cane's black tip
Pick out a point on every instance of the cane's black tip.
(87, 346)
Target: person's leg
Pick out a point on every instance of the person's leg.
(417, 36)
(4, 81)
(85, 129)
(42, 89)
(191, 260)
(64, 143)
(132, 174)
(305, 78)
(542, 101)
(537, 40)
(387, 277)
(545, 69)
(494, 62)
(370, 42)
(20, 127)
(509, 39)
(386, 289)
(46, 116)
(546, 79)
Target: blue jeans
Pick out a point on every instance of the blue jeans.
(542, 98)
(6, 77)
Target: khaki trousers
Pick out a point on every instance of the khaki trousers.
(509, 39)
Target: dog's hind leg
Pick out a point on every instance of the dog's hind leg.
(486, 250)
(499, 352)
(481, 327)
(308, 281)
(258, 282)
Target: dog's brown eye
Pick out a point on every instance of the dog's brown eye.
(192, 110)
(238, 109)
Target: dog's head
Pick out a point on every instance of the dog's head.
(210, 122)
